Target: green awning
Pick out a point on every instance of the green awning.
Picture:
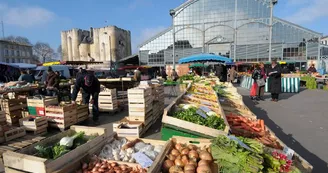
(197, 65)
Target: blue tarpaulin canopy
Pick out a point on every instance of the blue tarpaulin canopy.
(205, 58)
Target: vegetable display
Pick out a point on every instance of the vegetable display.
(242, 126)
(101, 166)
(233, 158)
(124, 150)
(278, 162)
(191, 115)
(65, 145)
(188, 159)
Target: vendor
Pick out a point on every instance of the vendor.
(52, 83)
(25, 77)
(90, 87)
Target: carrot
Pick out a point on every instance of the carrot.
(238, 127)
(262, 124)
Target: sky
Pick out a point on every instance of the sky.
(42, 20)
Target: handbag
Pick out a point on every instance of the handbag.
(253, 92)
(260, 82)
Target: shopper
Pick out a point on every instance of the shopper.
(52, 83)
(274, 81)
(25, 77)
(29, 72)
(163, 74)
(137, 75)
(256, 75)
(312, 69)
(218, 71)
(60, 75)
(90, 87)
(232, 74)
(260, 90)
(174, 75)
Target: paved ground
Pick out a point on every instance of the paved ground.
(299, 120)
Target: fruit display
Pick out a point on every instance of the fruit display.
(184, 158)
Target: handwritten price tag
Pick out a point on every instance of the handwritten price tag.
(240, 142)
(205, 109)
(142, 159)
(201, 113)
(289, 152)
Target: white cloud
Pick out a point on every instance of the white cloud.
(144, 35)
(311, 10)
(26, 16)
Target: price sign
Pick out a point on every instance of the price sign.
(288, 152)
(142, 159)
(205, 109)
(205, 103)
(201, 113)
(240, 143)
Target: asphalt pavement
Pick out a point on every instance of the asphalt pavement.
(300, 120)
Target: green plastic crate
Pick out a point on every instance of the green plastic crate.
(169, 131)
(32, 110)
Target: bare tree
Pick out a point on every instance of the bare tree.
(18, 39)
(43, 51)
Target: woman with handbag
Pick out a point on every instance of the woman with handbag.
(260, 91)
(258, 81)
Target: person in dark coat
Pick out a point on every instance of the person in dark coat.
(52, 83)
(224, 74)
(218, 71)
(90, 87)
(163, 74)
(274, 74)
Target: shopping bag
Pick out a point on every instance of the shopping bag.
(253, 89)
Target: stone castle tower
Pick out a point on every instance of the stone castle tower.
(107, 44)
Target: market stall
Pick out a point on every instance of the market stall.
(289, 83)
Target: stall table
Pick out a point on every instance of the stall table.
(288, 84)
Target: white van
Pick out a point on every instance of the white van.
(41, 71)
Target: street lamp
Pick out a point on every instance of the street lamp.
(272, 3)
(172, 13)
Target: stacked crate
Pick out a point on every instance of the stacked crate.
(108, 100)
(13, 109)
(8, 132)
(38, 125)
(61, 117)
(141, 105)
(36, 106)
(122, 97)
(158, 104)
(82, 113)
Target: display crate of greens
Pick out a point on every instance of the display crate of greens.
(194, 124)
(38, 125)
(97, 154)
(48, 155)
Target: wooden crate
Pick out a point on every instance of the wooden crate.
(138, 93)
(61, 117)
(108, 93)
(10, 105)
(25, 114)
(3, 119)
(157, 164)
(82, 113)
(128, 128)
(46, 101)
(13, 117)
(23, 159)
(14, 133)
(38, 125)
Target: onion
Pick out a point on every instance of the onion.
(184, 159)
(202, 163)
(178, 146)
(104, 166)
(189, 171)
(98, 164)
(167, 165)
(175, 152)
(113, 164)
(204, 155)
(204, 169)
(192, 162)
(117, 168)
(101, 170)
(175, 169)
(124, 167)
(192, 147)
(193, 154)
(178, 162)
(85, 171)
(171, 157)
(189, 167)
(185, 151)
(94, 169)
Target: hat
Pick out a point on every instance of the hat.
(88, 80)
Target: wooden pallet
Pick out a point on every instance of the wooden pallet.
(14, 133)
(39, 125)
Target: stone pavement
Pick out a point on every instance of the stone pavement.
(300, 121)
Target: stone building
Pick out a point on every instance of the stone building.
(12, 52)
(107, 44)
